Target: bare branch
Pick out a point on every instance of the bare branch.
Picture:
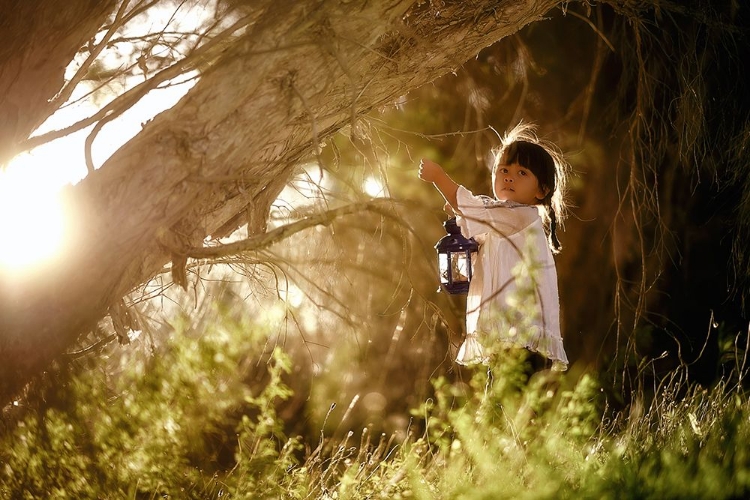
(125, 101)
(382, 206)
(68, 89)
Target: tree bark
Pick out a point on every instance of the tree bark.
(297, 75)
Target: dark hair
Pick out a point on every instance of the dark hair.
(521, 145)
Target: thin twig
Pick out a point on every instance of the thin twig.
(67, 91)
(123, 102)
(593, 27)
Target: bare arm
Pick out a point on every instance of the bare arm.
(429, 171)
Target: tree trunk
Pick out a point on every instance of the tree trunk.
(296, 76)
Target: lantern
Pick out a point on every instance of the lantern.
(454, 258)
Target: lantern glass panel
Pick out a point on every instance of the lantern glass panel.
(443, 268)
(460, 267)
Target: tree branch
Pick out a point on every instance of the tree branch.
(68, 89)
(259, 242)
(126, 100)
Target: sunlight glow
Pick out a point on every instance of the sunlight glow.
(373, 187)
(293, 295)
(31, 218)
(31, 215)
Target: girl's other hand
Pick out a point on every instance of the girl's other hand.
(448, 209)
(429, 171)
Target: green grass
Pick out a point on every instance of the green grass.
(187, 422)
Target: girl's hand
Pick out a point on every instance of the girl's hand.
(429, 171)
(448, 209)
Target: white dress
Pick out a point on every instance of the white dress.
(513, 298)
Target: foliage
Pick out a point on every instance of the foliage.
(154, 426)
(189, 422)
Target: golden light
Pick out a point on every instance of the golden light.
(31, 218)
(374, 188)
(292, 295)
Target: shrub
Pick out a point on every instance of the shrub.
(186, 422)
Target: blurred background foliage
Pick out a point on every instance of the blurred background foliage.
(346, 322)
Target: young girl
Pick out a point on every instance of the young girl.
(513, 294)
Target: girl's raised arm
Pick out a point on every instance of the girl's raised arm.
(429, 171)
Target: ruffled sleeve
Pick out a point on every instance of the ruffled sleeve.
(482, 214)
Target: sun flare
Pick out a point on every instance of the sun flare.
(374, 188)
(31, 218)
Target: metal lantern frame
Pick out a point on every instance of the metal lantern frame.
(455, 253)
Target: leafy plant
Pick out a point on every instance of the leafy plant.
(192, 421)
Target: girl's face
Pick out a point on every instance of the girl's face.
(519, 184)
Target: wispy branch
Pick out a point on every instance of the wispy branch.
(382, 206)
